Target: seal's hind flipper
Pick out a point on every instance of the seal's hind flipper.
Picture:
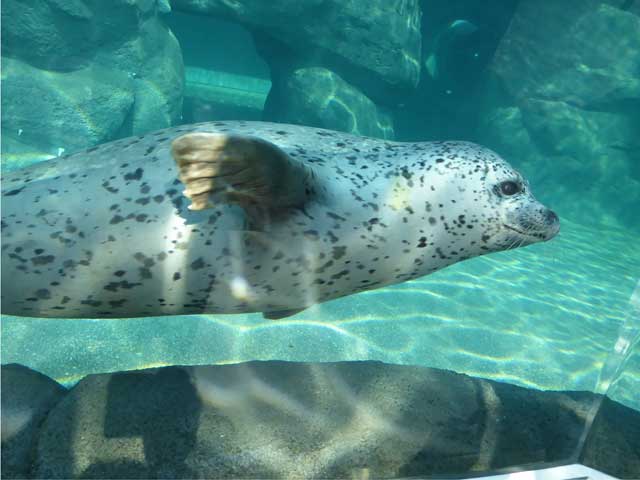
(241, 169)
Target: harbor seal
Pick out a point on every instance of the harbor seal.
(231, 217)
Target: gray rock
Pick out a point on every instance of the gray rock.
(580, 52)
(27, 398)
(66, 111)
(612, 437)
(551, 142)
(320, 98)
(558, 128)
(565, 77)
(374, 45)
(65, 56)
(299, 420)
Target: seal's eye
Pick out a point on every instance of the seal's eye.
(510, 188)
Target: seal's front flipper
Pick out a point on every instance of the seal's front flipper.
(279, 314)
(241, 169)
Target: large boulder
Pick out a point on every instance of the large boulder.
(320, 98)
(91, 70)
(375, 45)
(303, 420)
(27, 398)
(587, 54)
(66, 111)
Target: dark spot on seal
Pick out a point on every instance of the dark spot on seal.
(335, 216)
(114, 286)
(340, 274)
(11, 193)
(43, 294)
(70, 264)
(93, 303)
(135, 175)
(43, 259)
(197, 264)
(116, 219)
(177, 202)
(338, 252)
(311, 234)
(107, 186)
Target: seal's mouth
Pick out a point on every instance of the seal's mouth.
(509, 227)
(537, 234)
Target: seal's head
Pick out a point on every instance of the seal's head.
(520, 218)
(488, 202)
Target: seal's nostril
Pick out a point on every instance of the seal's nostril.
(551, 217)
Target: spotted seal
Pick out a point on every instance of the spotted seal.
(230, 217)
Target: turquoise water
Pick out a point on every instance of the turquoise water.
(552, 86)
(544, 317)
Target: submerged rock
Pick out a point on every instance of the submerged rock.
(566, 77)
(374, 45)
(318, 97)
(612, 432)
(65, 56)
(305, 420)
(27, 398)
(587, 54)
(66, 111)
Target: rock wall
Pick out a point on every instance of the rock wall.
(564, 105)
(81, 72)
(375, 45)
(320, 98)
